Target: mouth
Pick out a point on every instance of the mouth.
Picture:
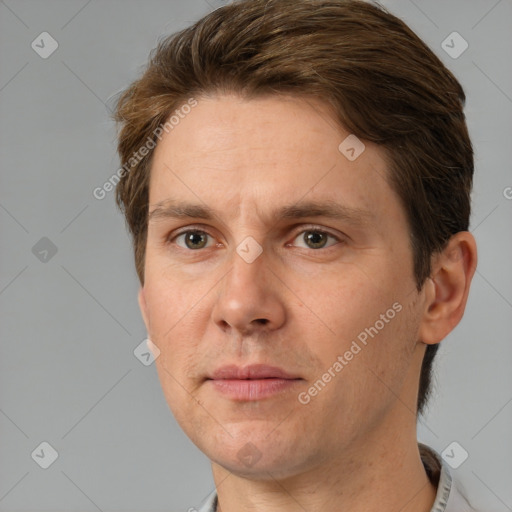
(249, 383)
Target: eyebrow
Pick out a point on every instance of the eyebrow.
(170, 209)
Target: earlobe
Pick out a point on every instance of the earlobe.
(447, 289)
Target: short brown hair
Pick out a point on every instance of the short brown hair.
(381, 81)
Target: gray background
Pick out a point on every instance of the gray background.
(70, 321)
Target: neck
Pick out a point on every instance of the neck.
(380, 472)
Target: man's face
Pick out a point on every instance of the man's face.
(301, 291)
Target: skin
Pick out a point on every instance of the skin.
(297, 306)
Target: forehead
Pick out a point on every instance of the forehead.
(263, 152)
(227, 127)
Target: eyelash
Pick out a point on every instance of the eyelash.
(191, 229)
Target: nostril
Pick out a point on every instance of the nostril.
(262, 321)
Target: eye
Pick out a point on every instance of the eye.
(315, 239)
(193, 239)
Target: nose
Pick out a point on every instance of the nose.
(249, 298)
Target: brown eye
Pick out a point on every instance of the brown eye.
(193, 239)
(314, 239)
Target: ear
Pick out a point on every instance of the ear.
(446, 290)
(143, 308)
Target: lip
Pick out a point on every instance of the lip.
(253, 382)
(253, 371)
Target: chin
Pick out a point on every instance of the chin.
(259, 468)
(255, 455)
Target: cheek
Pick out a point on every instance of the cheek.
(346, 301)
(169, 298)
(367, 323)
(174, 324)
(386, 352)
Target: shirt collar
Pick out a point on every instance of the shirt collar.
(448, 497)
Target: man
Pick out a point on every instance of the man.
(296, 180)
